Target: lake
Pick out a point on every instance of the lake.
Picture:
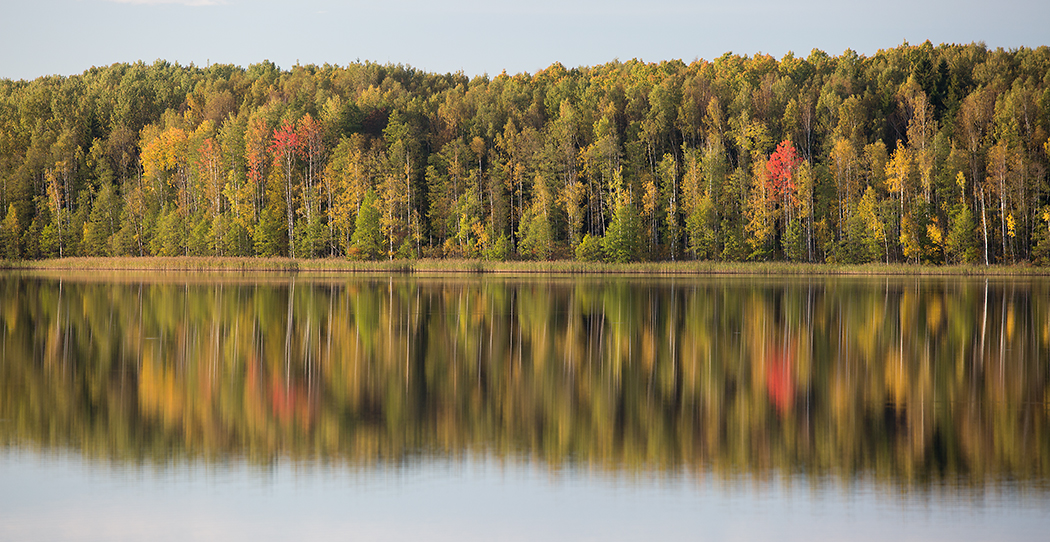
(229, 406)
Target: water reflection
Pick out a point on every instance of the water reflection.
(903, 381)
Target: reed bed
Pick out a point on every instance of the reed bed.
(567, 267)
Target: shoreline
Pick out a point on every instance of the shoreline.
(562, 267)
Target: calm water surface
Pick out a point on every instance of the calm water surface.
(334, 407)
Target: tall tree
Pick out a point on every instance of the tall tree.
(285, 150)
(781, 167)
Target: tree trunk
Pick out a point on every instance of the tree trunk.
(984, 228)
(288, 204)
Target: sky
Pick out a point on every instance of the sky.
(66, 37)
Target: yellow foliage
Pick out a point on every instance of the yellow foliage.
(899, 171)
(909, 240)
(933, 230)
(868, 210)
(896, 379)
(934, 313)
(572, 197)
(166, 151)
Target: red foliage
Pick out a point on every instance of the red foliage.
(291, 404)
(781, 168)
(256, 148)
(780, 381)
(285, 141)
(310, 136)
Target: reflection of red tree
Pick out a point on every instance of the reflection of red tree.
(290, 403)
(282, 401)
(780, 383)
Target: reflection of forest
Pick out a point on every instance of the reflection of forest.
(902, 379)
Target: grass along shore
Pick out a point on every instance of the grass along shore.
(427, 266)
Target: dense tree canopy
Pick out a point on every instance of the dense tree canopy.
(925, 153)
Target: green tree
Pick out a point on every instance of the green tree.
(668, 168)
(201, 241)
(703, 226)
(794, 241)
(589, 249)
(11, 234)
(1041, 252)
(961, 243)
(172, 235)
(863, 240)
(471, 231)
(537, 238)
(102, 223)
(499, 250)
(622, 239)
(367, 241)
(270, 234)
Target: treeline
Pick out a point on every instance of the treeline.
(916, 154)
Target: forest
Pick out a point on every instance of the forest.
(920, 153)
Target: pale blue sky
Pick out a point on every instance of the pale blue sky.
(41, 37)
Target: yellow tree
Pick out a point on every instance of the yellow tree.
(693, 198)
(761, 223)
(165, 157)
(519, 149)
(868, 232)
(844, 160)
(668, 169)
(572, 197)
(10, 234)
(394, 201)
(311, 142)
(692, 179)
(921, 129)
(209, 167)
(975, 115)
(55, 200)
(210, 179)
(166, 154)
(256, 143)
(899, 174)
(1000, 160)
(399, 218)
(349, 174)
(536, 237)
(804, 186)
(562, 137)
(650, 207)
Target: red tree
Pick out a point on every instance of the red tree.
(284, 148)
(781, 167)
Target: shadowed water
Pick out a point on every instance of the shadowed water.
(894, 391)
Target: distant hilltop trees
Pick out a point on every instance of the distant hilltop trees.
(917, 154)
